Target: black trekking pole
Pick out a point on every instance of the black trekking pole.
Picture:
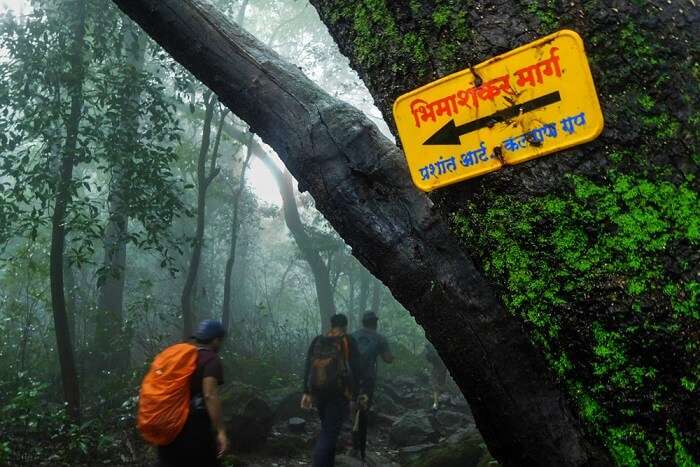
(360, 426)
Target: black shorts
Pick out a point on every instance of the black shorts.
(195, 445)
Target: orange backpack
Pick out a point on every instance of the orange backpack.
(164, 399)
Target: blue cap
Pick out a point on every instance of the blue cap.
(209, 329)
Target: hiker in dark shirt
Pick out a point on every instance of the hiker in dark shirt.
(371, 345)
(331, 380)
(203, 438)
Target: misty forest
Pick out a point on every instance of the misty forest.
(165, 162)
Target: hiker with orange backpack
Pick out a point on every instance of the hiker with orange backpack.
(179, 406)
(331, 380)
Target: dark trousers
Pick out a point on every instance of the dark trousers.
(332, 410)
(195, 446)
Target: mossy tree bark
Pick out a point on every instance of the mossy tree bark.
(596, 248)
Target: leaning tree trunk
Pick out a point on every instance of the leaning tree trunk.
(204, 179)
(111, 343)
(228, 269)
(64, 189)
(597, 249)
(319, 269)
(360, 183)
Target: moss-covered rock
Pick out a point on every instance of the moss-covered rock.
(467, 453)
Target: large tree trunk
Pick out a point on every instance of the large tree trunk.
(360, 183)
(111, 342)
(595, 248)
(228, 270)
(204, 179)
(69, 376)
(319, 269)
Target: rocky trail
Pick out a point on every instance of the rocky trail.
(271, 429)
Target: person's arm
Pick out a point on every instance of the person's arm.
(213, 403)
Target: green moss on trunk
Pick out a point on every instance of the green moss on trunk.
(596, 249)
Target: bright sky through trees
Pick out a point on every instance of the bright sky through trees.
(259, 178)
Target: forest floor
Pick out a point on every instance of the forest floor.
(404, 432)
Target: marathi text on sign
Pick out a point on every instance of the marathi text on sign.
(521, 105)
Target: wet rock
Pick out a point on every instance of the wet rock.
(247, 416)
(411, 453)
(385, 404)
(457, 436)
(288, 405)
(449, 421)
(372, 460)
(296, 425)
(382, 419)
(412, 429)
(469, 451)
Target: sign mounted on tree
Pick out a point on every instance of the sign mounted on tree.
(531, 101)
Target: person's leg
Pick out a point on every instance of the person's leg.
(364, 420)
(319, 454)
(361, 441)
(203, 449)
(174, 454)
(332, 412)
(196, 445)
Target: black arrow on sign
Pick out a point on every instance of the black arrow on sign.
(450, 133)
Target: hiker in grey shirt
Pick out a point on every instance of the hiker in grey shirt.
(371, 345)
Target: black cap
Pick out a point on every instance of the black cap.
(369, 317)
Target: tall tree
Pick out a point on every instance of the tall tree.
(235, 221)
(205, 175)
(69, 375)
(111, 343)
(309, 250)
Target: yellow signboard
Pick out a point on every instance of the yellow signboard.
(526, 103)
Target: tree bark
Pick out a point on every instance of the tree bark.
(319, 269)
(111, 342)
(71, 302)
(360, 183)
(228, 270)
(69, 376)
(564, 271)
(204, 178)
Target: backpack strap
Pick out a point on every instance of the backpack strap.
(345, 343)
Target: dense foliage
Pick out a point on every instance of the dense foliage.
(139, 140)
